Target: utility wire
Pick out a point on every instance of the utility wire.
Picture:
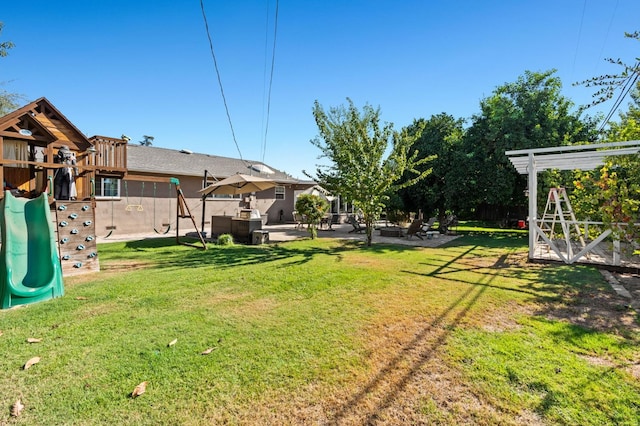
(575, 57)
(606, 36)
(273, 61)
(264, 75)
(629, 84)
(215, 64)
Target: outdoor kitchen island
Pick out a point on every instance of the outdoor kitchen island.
(240, 227)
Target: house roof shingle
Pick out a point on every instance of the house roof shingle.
(149, 159)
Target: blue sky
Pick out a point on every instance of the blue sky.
(140, 67)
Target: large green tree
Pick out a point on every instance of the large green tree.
(612, 193)
(441, 137)
(366, 158)
(628, 129)
(528, 113)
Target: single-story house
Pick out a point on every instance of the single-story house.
(129, 186)
(144, 199)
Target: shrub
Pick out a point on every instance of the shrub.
(313, 208)
(225, 240)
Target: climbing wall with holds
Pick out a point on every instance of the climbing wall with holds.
(77, 237)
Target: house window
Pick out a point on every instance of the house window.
(214, 196)
(107, 187)
(224, 196)
(279, 192)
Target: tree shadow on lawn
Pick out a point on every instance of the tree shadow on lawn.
(406, 365)
(290, 253)
(577, 294)
(549, 286)
(236, 255)
(490, 239)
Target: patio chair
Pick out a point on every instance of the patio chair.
(326, 222)
(426, 226)
(357, 226)
(415, 229)
(298, 219)
(451, 221)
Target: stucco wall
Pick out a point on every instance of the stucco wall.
(139, 210)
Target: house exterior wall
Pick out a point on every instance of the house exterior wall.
(145, 206)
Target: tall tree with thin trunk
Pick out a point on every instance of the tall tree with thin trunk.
(367, 158)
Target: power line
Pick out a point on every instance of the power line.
(629, 83)
(273, 60)
(215, 64)
(264, 73)
(606, 36)
(575, 57)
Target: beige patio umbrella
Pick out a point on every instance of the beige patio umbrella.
(238, 184)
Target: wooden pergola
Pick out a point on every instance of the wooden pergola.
(572, 157)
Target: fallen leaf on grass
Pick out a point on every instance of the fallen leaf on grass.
(208, 351)
(173, 342)
(81, 298)
(139, 390)
(0, 332)
(33, 340)
(17, 408)
(32, 361)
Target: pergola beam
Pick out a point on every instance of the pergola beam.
(583, 160)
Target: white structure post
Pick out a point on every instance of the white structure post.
(532, 183)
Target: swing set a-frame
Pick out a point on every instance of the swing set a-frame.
(182, 210)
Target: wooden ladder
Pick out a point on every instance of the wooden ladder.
(559, 210)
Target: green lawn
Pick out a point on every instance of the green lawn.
(325, 331)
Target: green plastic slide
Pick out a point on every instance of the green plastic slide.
(29, 265)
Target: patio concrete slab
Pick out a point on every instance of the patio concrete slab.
(289, 232)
